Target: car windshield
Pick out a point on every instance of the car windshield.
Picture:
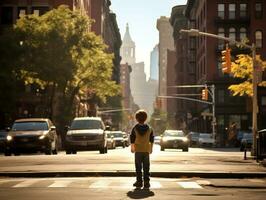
(118, 134)
(247, 136)
(194, 135)
(205, 136)
(30, 126)
(174, 133)
(86, 124)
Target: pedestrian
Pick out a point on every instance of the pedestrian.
(142, 139)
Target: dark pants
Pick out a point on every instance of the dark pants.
(142, 160)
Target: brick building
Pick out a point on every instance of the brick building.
(235, 19)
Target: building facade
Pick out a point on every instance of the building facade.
(165, 42)
(143, 92)
(184, 69)
(154, 63)
(237, 20)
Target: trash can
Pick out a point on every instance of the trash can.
(261, 144)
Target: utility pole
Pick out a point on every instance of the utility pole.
(196, 32)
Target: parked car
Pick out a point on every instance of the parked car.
(174, 139)
(157, 139)
(193, 138)
(205, 139)
(86, 133)
(31, 135)
(126, 139)
(110, 141)
(246, 141)
(240, 135)
(3, 134)
(119, 138)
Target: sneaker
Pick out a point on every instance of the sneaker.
(147, 185)
(137, 184)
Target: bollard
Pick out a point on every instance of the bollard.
(245, 151)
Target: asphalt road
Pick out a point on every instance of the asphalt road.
(121, 188)
(197, 159)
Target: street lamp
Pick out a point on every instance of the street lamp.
(196, 32)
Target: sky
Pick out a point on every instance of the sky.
(142, 15)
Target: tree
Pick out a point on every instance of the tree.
(63, 57)
(242, 68)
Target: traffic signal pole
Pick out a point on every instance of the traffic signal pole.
(210, 91)
(196, 32)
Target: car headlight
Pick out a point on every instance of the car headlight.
(9, 138)
(165, 139)
(185, 139)
(42, 136)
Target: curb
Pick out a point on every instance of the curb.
(181, 174)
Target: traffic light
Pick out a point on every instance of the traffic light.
(204, 94)
(226, 60)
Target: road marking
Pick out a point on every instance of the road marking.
(203, 182)
(25, 183)
(190, 185)
(256, 180)
(60, 183)
(99, 184)
(155, 184)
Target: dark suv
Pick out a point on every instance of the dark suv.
(86, 133)
(31, 135)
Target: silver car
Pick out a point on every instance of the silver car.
(31, 135)
(86, 133)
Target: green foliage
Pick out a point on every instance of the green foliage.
(58, 53)
(243, 68)
(60, 49)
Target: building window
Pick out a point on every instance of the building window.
(7, 15)
(221, 11)
(242, 33)
(221, 42)
(258, 39)
(263, 100)
(232, 33)
(258, 10)
(40, 10)
(243, 10)
(232, 11)
(22, 11)
(220, 96)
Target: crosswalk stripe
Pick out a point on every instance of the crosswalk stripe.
(60, 183)
(100, 184)
(25, 183)
(189, 185)
(155, 184)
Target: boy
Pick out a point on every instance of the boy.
(141, 139)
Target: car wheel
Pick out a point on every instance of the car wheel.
(48, 150)
(102, 150)
(185, 149)
(7, 153)
(16, 153)
(123, 145)
(68, 152)
(54, 151)
(162, 148)
(74, 152)
(105, 150)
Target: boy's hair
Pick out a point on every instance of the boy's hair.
(141, 116)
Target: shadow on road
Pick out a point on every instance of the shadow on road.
(140, 193)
